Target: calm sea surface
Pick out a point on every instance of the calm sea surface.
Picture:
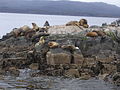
(8, 21)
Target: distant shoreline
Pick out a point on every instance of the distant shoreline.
(60, 14)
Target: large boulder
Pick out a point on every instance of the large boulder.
(64, 29)
(78, 57)
(58, 56)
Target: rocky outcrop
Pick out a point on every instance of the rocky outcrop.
(70, 54)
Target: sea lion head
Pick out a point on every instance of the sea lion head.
(46, 23)
(35, 27)
(82, 22)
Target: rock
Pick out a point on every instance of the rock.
(105, 56)
(14, 71)
(34, 66)
(118, 66)
(66, 66)
(1, 77)
(104, 76)
(74, 73)
(85, 76)
(73, 66)
(58, 56)
(64, 29)
(116, 79)
(78, 57)
(88, 62)
(109, 68)
(97, 69)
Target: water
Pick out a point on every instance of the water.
(25, 82)
(8, 21)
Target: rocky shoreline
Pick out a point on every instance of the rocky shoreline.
(72, 50)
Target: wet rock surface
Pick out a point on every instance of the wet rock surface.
(73, 55)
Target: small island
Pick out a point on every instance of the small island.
(73, 50)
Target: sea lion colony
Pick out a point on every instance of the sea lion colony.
(30, 32)
(36, 31)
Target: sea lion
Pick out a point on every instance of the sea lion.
(29, 34)
(35, 27)
(85, 25)
(46, 24)
(25, 28)
(100, 33)
(72, 23)
(70, 47)
(44, 30)
(92, 34)
(53, 44)
(21, 31)
(42, 40)
(16, 32)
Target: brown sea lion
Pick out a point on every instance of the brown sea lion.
(16, 32)
(72, 23)
(35, 27)
(20, 31)
(29, 34)
(100, 33)
(53, 44)
(92, 34)
(25, 28)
